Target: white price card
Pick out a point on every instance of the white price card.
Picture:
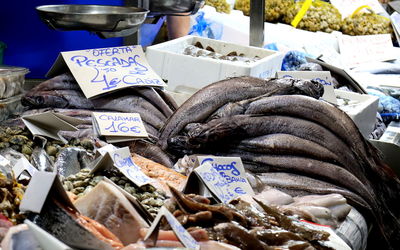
(356, 50)
(187, 240)
(99, 71)
(223, 181)
(123, 161)
(23, 165)
(117, 127)
(49, 124)
(232, 169)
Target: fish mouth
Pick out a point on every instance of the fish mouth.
(32, 100)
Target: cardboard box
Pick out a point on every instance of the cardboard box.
(363, 111)
(193, 73)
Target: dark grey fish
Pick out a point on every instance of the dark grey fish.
(132, 104)
(150, 151)
(247, 126)
(310, 167)
(41, 160)
(169, 100)
(328, 116)
(287, 144)
(71, 160)
(62, 82)
(154, 98)
(57, 99)
(380, 177)
(73, 99)
(63, 225)
(204, 102)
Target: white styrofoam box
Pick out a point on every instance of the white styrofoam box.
(184, 71)
(363, 111)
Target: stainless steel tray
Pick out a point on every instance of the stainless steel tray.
(105, 20)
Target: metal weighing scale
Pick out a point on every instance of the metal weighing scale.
(113, 21)
(124, 21)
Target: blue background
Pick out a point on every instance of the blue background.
(31, 44)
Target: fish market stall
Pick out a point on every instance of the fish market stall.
(260, 149)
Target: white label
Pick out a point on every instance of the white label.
(107, 148)
(230, 168)
(347, 7)
(119, 126)
(23, 165)
(99, 71)
(187, 240)
(123, 161)
(323, 77)
(40, 185)
(49, 124)
(355, 50)
(395, 18)
(4, 161)
(217, 184)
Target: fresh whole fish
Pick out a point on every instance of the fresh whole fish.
(41, 160)
(204, 102)
(150, 151)
(169, 100)
(57, 99)
(76, 99)
(153, 97)
(381, 178)
(287, 144)
(71, 160)
(314, 168)
(245, 126)
(132, 104)
(328, 116)
(61, 82)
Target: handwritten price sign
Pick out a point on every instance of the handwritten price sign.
(226, 173)
(123, 161)
(102, 70)
(219, 182)
(119, 125)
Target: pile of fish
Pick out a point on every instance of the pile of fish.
(63, 93)
(291, 139)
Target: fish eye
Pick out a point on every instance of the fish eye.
(39, 99)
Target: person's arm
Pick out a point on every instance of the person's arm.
(178, 26)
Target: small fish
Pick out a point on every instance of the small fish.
(41, 160)
(71, 160)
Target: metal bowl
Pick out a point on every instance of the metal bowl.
(94, 18)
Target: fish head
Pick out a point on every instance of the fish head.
(311, 88)
(43, 100)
